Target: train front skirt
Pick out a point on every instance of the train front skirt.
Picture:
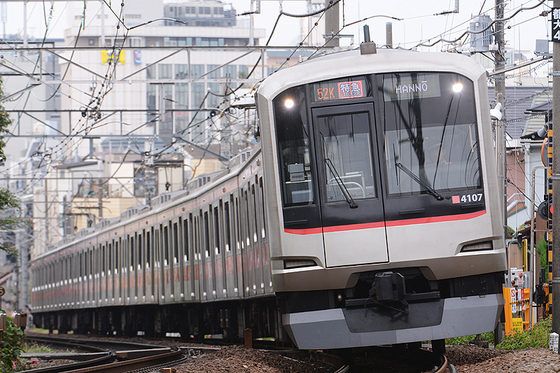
(330, 329)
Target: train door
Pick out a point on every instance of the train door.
(208, 257)
(219, 255)
(351, 205)
(230, 249)
(197, 259)
(179, 273)
(176, 262)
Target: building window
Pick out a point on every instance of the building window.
(165, 71)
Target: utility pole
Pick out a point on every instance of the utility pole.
(500, 93)
(555, 281)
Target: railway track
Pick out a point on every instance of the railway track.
(118, 356)
(108, 356)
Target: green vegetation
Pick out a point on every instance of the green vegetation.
(536, 337)
(542, 249)
(467, 339)
(11, 348)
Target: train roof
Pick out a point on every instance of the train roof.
(351, 63)
(195, 188)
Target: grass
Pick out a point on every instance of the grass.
(536, 337)
(467, 339)
(35, 348)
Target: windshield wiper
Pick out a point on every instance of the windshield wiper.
(431, 190)
(341, 184)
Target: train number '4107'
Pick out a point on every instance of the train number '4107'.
(468, 198)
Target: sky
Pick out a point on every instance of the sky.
(418, 23)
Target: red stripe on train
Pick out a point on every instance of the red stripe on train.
(394, 223)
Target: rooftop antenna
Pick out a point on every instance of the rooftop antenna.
(367, 38)
(367, 47)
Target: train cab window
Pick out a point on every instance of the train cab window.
(430, 136)
(345, 142)
(292, 131)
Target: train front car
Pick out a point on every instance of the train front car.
(381, 179)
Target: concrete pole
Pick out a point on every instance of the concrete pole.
(25, 24)
(555, 283)
(332, 24)
(500, 92)
(389, 34)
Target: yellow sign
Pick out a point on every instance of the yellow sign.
(517, 324)
(107, 56)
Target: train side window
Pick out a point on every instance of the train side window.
(255, 216)
(227, 227)
(186, 240)
(175, 244)
(217, 230)
(166, 245)
(103, 261)
(148, 249)
(140, 246)
(196, 232)
(246, 219)
(81, 273)
(90, 264)
(131, 249)
(109, 258)
(261, 190)
(156, 247)
(116, 257)
(238, 233)
(206, 235)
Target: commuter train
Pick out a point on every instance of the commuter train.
(369, 214)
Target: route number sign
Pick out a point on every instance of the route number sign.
(556, 25)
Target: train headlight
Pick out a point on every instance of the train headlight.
(478, 246)
(289, 103)
(298, 263)
(457, 87)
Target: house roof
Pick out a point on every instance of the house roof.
(520, 100)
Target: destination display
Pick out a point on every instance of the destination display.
(328, 91)
(410, 86)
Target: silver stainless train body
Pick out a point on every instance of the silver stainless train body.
(380, 174)
(191, 265)
(369, 214)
